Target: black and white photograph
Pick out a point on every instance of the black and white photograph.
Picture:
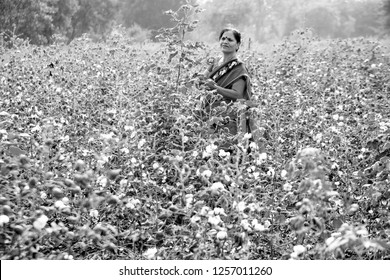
(194, 139)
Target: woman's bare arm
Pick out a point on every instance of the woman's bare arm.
(237, 91)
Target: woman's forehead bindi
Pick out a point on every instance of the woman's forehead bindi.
(228, 34)
(229, 37)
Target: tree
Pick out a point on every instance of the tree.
(265, 20)
(29, 19)
(148, 14)
(368, 21)
(387, 14)
(322, 20)
(62, 19)
(244, 15)
(93, 16)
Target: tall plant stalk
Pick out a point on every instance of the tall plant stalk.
(175, 36)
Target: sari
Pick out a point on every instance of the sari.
(232, 121)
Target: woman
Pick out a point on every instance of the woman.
(229, 78)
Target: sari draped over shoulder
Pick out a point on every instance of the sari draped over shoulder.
(229, 73)
(225, 76)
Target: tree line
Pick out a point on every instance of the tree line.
(42, 21)
(265, 20)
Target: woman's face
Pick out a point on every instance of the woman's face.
(228, 43)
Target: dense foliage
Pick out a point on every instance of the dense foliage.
(147, 14)
(48, 21)
(387, 13)
(267, 20)
(105, 155)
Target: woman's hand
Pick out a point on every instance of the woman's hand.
(210, 84)
(210, 64)
(211, 61)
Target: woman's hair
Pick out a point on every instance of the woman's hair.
(236, 33)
